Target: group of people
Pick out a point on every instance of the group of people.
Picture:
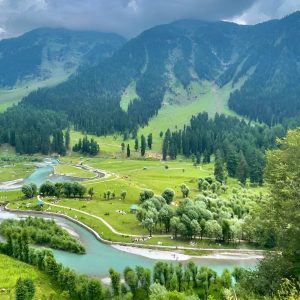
(141, 239)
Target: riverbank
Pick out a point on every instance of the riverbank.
(158, 252)
(12, 185)
(153, 254)
(81, 172)
(46, 171)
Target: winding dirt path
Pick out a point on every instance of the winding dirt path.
(232, 251)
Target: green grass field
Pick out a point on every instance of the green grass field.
(178, 107)
(135, 174)
(131, 176)
(128, 96)
(73, 171)
(16, 171)
(12, 269)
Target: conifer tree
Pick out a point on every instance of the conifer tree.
(149, 141)
(165, 149)
(128, 150)
(219, 172)
(231, 162)
(143, 145)
(136, 144)
(242, 169)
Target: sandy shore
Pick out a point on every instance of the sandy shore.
(174, 256)
(153, 254)
(12, 185)
(232, 256)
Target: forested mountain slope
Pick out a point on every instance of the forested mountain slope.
(45, 52)
(162, 66)
(265, 57)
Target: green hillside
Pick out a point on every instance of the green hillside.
(12, 269)
(46, 57)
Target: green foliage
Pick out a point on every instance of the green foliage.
(29, 190)
(86, 146)
(168, 194)
(149, 141)
(41, 232)
(145, 195)
(43, 130)
(68, 189)
(128, 151)
(143, 145)
(242, 169)
(224, 137)
(278, 217)
(184, 190)
(219, 172)
(25, 289)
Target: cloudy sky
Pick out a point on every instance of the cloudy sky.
(130, 17)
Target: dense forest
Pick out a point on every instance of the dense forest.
(263, 60)
(31, 130)
(230, 139)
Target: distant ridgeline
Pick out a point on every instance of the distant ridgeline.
(263, 58)
(38, 54)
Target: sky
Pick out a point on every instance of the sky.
(131, 17)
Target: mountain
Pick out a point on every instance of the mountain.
(44, 53)
(172, 65)
(260, 62)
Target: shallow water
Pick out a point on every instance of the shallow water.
(44, 172)
(100, 257)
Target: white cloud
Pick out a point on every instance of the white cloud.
(130, 17)
(264, 10)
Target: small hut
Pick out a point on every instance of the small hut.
(133, 208)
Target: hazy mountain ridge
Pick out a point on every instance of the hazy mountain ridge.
(44, 52)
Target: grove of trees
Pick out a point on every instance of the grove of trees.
(41, 232)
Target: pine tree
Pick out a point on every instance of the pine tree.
(128, 150)
(231, 162)
(165, 149)
(67, 139)
(143, 145)
(242, 169)
(149, 141)
(136, 144)
(219, 172)
(206, 157)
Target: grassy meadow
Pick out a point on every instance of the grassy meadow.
(135, 174)
(72, 171)
(14, 270)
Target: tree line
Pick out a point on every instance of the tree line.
(208, 215)
(42, 232)
(167, 281)
(31, 130)
(235, 143)
(86, 146)
(58, 189)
